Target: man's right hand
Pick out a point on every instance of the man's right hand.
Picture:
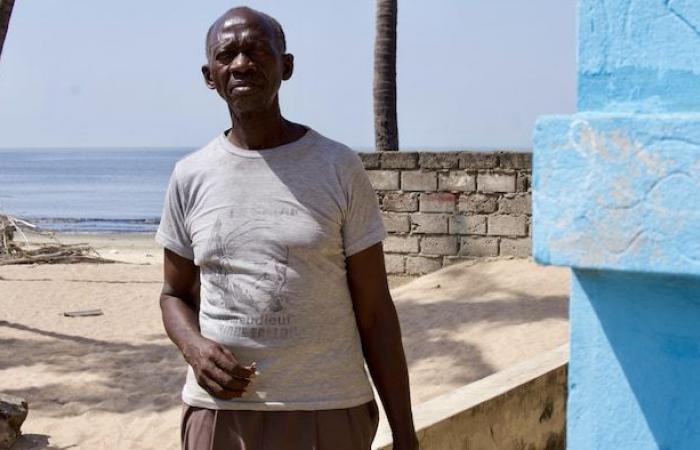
(216, 369)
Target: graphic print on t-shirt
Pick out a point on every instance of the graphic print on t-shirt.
(246, 275)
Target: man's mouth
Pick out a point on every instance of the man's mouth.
(241, 87)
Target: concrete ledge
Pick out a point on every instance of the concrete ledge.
(615, 192)
(522, 407)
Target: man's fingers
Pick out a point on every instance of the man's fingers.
(218, 391)
(224, 359)
(228, 353)
(226, 380)
(243, 372)
(210, 386)
(213, 372)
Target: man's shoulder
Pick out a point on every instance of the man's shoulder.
(335, 151)
(194, 162)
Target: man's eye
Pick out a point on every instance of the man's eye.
(225, 57)
(262, 50)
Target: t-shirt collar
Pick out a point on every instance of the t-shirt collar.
(264, 153)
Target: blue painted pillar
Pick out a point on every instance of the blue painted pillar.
(617, 198)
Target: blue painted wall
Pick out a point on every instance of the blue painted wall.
(616, 196)
(634, 372)
(639, 55)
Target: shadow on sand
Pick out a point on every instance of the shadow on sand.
(37, 442)
(431, 315)
(123, 377)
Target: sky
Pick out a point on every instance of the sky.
(471, 74)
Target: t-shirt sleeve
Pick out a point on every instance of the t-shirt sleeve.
(172, 232)
(363, 225)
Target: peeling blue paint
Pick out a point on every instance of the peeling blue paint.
(639, 55)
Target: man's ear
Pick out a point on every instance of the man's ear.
(288, 66)
(206, 72)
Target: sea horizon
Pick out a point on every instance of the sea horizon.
(87, 190)
(90, 189)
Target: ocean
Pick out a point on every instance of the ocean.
(87, 190)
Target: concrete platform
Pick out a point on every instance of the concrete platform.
(475, 319)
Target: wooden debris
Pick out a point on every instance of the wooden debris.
(7, 233)
(84, 313)
(54, 252)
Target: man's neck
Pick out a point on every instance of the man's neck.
(262, 129)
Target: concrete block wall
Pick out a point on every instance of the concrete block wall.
(445, 207)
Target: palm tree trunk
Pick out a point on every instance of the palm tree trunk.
(386, 130)
(5, 13)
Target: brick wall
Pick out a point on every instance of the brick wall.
(449, 206)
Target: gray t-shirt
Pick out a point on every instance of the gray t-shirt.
(270, 231)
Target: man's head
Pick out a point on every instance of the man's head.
(247, 59)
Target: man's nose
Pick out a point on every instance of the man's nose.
(241, 63)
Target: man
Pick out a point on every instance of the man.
(274, 279)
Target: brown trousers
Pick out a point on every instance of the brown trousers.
(332, 429)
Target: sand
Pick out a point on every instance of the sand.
(113, 381)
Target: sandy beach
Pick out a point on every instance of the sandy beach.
(113, 381)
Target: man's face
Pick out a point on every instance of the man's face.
(246, 62)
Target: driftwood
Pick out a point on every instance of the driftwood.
(84, 313)
(46, 253)
(7, 233)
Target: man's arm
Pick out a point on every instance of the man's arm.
(215, 368)
(381, 341)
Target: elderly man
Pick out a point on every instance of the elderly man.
(274, 280)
